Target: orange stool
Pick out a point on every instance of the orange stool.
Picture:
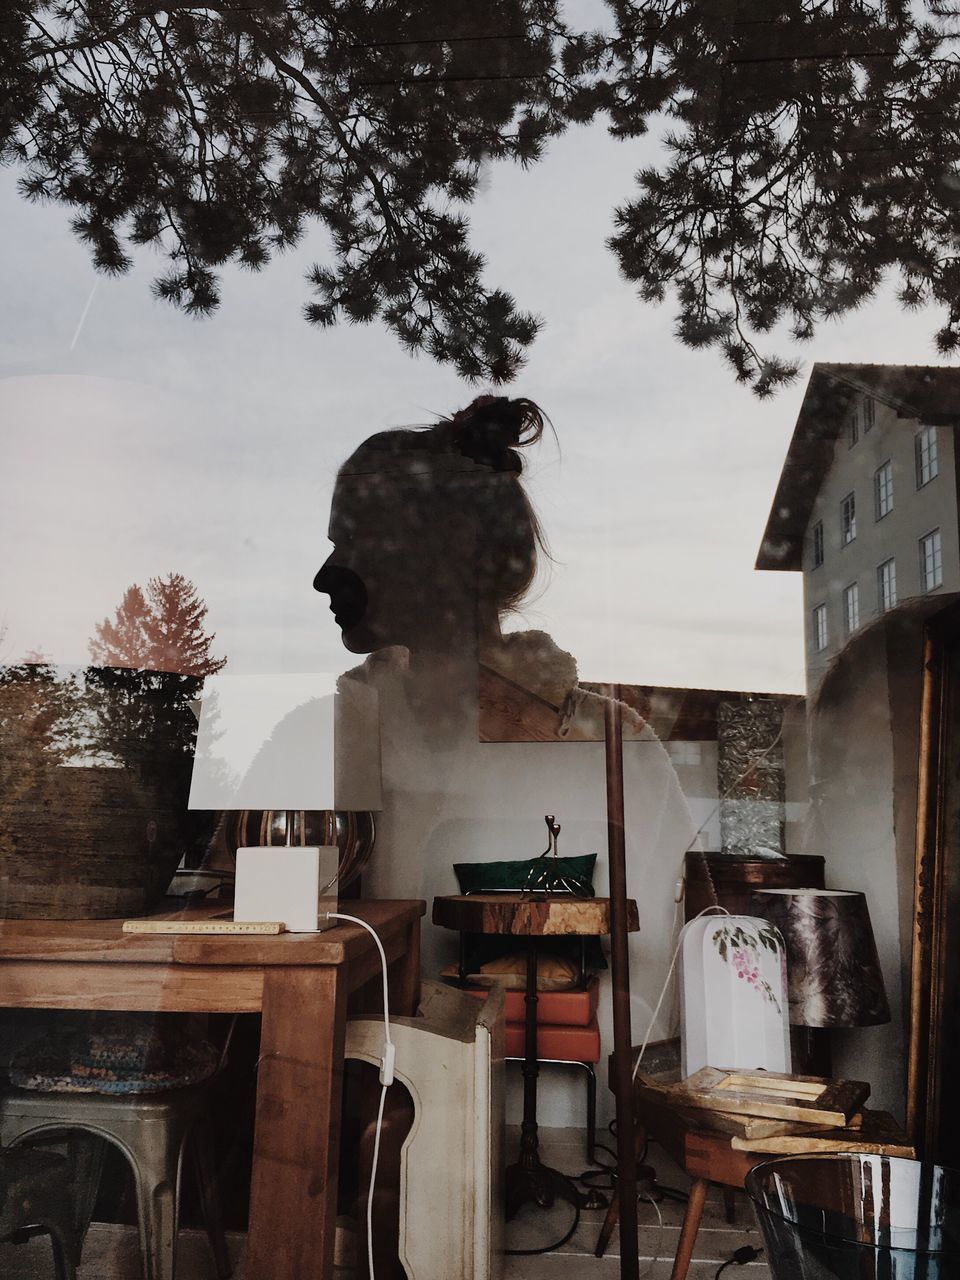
(568, 1035)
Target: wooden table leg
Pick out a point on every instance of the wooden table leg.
(609, 1222)
(612, 1215)
(691, 1225)
(293, 1192)
(403, 976)
(730, 1204)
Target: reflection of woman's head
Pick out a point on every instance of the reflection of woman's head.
(432, 529)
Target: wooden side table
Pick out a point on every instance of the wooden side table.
(299, 982)
(535, 917)
(709, 1157)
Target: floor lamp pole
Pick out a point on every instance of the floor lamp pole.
(620, 964)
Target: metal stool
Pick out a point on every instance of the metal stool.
(152, 1130)
(35, 1197)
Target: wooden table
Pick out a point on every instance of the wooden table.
(710, 1157)
(298, 982)
(535, 917)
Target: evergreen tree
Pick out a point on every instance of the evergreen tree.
(812, 150)
(216, 132)
(149, 663)
(161, 629)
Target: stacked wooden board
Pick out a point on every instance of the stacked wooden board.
(780, 1114)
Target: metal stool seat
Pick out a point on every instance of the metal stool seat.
(35, 1197)
(153, 1131)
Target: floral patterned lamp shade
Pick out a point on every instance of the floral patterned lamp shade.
(733, 995)
(835, 978)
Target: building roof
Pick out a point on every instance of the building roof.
(929, 394)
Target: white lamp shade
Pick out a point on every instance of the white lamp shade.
(287, 742)
(734, 1010)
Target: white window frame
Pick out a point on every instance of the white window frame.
(883, 489)
(821, 635)
(848, 518)
(851, 615)
(887, 585)
(926, 455)
(931, 561)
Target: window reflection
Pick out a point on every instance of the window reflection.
(229, 229)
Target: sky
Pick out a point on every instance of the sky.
(138, 441)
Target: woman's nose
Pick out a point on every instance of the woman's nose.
(347, 592)
(326, 575)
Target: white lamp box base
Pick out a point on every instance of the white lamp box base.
(294, 884)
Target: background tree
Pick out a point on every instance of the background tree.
(41, 728)
(813, 150)
(160, 629)
(40, 715)
(149, 664)
(217, 132)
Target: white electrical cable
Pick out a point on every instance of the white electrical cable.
(656, 1253)
(387, 1063)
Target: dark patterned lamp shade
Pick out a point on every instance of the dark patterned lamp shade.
(832, 966)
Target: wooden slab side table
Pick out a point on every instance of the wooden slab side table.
(536, 918)
(709, 1157)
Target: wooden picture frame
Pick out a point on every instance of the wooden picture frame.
(932, 1109)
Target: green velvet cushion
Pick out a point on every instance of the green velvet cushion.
(483, 877)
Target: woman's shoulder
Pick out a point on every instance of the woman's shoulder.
(380, 667)
(534, 665)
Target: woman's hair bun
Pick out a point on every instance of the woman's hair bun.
(492, 428)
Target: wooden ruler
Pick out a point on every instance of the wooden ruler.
(204, 926)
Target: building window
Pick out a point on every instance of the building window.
(851, 608)
(931, 561)
(928, 462)
(883, 490)
(820, 628)
(818, 544)
(861, 419)
(848, 519)
(886, 585)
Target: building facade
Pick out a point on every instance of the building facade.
(867, 505)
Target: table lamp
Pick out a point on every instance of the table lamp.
(733, 987)
(296, 758)
(833, 971)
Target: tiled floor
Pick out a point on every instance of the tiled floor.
(111, 1252)
(565, 1150)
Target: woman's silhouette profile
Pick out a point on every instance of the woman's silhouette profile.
(434, 537)
(435, 542)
